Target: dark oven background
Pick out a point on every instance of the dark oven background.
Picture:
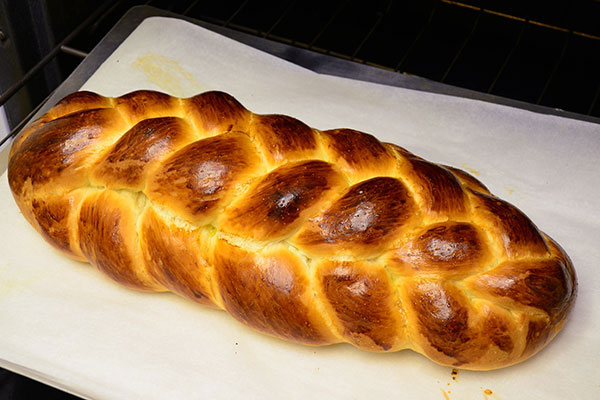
(538, 52)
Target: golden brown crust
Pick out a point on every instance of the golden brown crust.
(362, 222)
(278, 203)
(440, 192)
(175, 257)
(283, 138)
(361, 296)
(269, 291)
(454, 249)
(201, 177)
(317, 237)
(138, 150)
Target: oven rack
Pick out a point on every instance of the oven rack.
(533, 53)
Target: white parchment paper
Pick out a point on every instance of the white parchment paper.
(64, 323)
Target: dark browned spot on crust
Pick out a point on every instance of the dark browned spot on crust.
(266, 293)
(445, 247)
(217, 112)
(197, 177)
(361, 301)
(497, 330)
(358, 149)
(440, 189)
(442, 319)
(520, 236)
(543, 284)
(52, 216)
(103, 242)
(148, 141)
(173, 256)
(282, 136)
(368, 214)
(468, 180)
(143, 104)
(558, 252)
(538, 334)
(52, 150)
(273, 207)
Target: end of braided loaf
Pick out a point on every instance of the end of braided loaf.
(312, 236)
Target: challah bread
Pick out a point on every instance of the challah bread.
(316, 237)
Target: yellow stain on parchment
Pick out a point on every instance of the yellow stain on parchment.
(5, 284)
(510, 191)
(470, 170)
(9, 282)
(168, 75)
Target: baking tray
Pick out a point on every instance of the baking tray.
(315, 62)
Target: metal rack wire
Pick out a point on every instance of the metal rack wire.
(500, 48)
(462, 28)
(98, 15)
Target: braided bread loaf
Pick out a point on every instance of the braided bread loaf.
(316, 237)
